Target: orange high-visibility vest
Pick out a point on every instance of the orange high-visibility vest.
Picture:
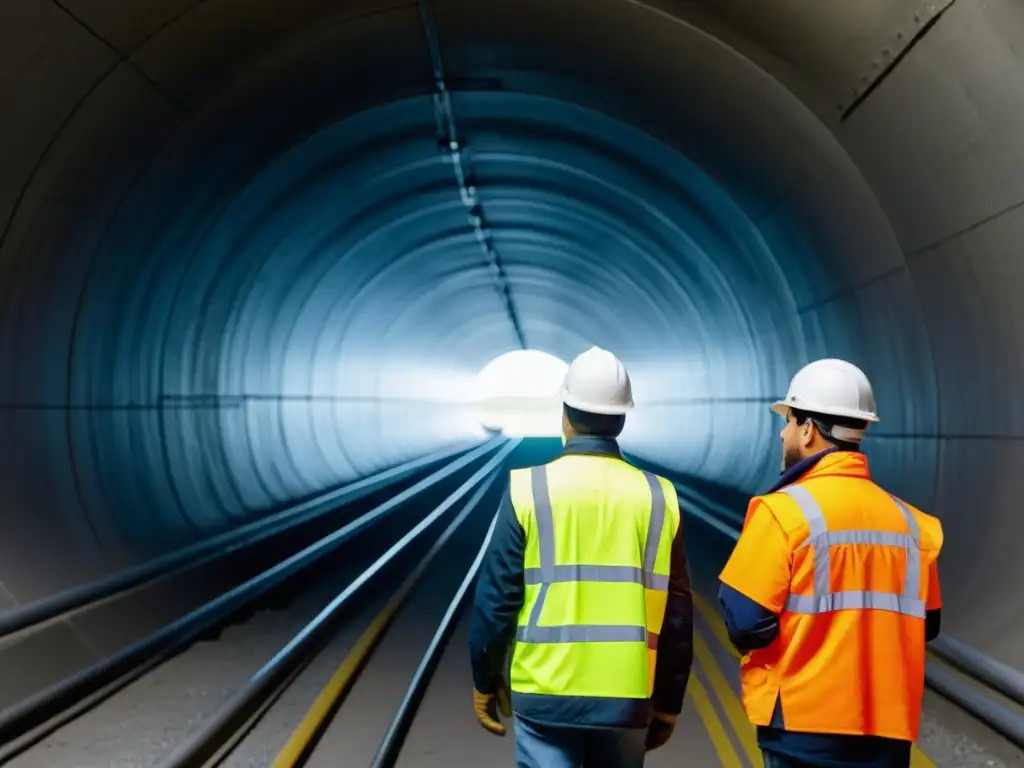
(850, 654)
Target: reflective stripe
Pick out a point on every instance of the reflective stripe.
(912, 578)
(820, 539)
(879, 538)
(600, 573)
(549, 573)
(583, 633)
(816, 522)
(656, 523)
(545, 521)
(854, 600)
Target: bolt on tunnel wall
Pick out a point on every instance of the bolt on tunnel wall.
(238, 268)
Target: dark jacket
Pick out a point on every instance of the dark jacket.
(499, 598)
(752, 626)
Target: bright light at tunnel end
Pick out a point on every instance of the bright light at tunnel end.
(517, 394)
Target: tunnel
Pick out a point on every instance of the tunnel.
(253, 250)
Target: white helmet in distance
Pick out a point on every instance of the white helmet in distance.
(833, 388)
(597, 382)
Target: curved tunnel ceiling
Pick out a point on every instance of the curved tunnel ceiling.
(237, 267)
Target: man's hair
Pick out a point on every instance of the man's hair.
(594, 424)
(825, 422)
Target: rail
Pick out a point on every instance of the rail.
(972, 662)
(89, 595)
(222, 730)
(391, 744)
(996, 675)
(30, 720)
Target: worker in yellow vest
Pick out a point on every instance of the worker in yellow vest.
(586, 577)
(832, 590)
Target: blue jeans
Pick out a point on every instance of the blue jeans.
(546, 746)
(773, 760)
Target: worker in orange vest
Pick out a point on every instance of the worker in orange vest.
(832, 590)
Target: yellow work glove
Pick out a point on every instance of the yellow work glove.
(488, 705)
(660, 729)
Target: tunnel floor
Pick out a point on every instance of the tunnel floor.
(139, 726)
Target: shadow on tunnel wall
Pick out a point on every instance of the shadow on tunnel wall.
(235, 267)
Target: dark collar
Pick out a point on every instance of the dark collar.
(592, 446)
(795, 472)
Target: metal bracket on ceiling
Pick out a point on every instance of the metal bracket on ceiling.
(451, 144)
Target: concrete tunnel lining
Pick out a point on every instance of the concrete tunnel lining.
(157, 203)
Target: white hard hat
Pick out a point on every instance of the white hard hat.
(834, 388)
(597, 382)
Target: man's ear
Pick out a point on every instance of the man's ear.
(807, 433)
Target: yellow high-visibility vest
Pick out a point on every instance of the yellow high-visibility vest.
(598, 540)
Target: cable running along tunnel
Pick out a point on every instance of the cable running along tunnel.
(252, 252)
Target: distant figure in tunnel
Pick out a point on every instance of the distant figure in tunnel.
(832, 590)
(586, 572)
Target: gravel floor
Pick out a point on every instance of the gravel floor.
(954, 739)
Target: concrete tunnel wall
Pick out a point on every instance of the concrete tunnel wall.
(198, 200)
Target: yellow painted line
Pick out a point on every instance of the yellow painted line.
(715, 623)
(919, 759)
(336, 688)
(712, 724)
(729, 700)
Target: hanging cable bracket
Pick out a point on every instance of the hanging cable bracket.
(449, 143)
